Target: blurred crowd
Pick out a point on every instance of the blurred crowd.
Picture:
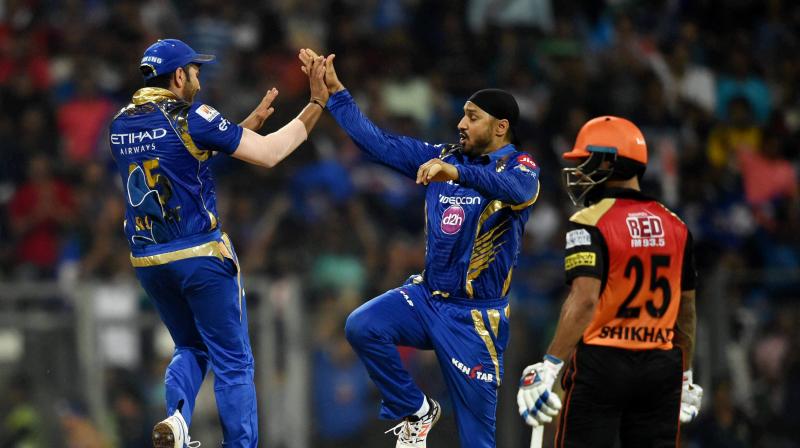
(714, 85)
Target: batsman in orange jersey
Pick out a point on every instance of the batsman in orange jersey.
(627, 326)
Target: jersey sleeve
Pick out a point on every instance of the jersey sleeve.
(585, 252)
(211, 131)
(688, 271)
(403, 154)
(516, 183)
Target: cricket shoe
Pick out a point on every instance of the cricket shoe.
(173, 432)
(412, 432)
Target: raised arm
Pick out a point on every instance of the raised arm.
(404, 154)
(269, 150)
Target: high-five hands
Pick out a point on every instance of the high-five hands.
(315, 69)
(537, 402)
(307, 55)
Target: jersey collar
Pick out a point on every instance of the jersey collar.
(497, 154)
(501, 152)
(152, 95)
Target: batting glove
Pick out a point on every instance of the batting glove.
(536, 400)
(691, 398)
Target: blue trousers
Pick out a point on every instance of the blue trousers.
(201, 301)
(468, 336)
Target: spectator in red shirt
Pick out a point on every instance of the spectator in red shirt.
(38, 212)
(767, 175)
(81, 121)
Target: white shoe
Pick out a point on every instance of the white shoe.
(413, 434)
(173, 432)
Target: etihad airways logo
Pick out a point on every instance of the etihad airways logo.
(460, 200)
(132, 138)
(473, 372)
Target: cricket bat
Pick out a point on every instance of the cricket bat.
(536, 436)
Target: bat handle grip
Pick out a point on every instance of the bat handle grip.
(536, 436)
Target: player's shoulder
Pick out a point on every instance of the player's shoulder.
(204, 119)
(203, 111)
(669, 213)
(523, 158)
(124, 110)
(518, 161)
(591, 215)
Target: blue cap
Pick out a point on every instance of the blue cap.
(166, 55)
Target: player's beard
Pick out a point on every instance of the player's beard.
(476, 144)
(189, 91)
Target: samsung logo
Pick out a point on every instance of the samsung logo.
(153, 59)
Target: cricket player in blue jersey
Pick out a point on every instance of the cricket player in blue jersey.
(162, 143)
(479, 196)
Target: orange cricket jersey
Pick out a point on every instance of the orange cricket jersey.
(642, 253)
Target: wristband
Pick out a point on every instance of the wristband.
(317, 102)
(552, 359)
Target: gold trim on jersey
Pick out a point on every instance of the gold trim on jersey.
(157, 95)
(152, 95)
(220, 249)
(183, 133)
(483, 248)
(494, 321)
(209, 249)
(507, 310)
(591, 215)
(120, 112)
(528, 203)
(480, 328)
(226, 247)
(507, 283)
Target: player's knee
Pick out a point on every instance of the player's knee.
(198, 354)
(357, 329)
(233, 373)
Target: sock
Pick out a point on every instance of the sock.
(424, 409)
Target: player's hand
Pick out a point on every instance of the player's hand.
(537, 402)
(331, 79)
(435, 170)
(316, 79)
(691, 398)
(259, 115)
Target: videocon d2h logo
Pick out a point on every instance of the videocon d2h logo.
(452, 219)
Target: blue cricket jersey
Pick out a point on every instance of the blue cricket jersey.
(474, 226)
(162, 146)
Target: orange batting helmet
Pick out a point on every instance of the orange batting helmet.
(605, 138)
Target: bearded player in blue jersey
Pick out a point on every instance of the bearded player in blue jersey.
(162, 143)
(479, 195)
